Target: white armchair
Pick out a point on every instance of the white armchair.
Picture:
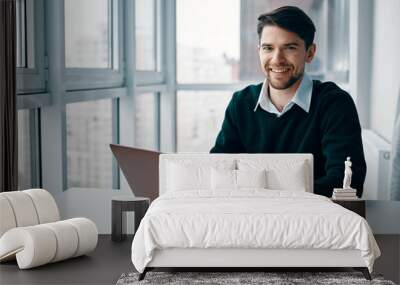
(32, 233)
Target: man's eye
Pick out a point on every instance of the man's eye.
(291, 48)
(266, 48)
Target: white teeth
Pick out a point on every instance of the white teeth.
(279, 70)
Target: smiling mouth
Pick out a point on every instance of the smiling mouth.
(279, 70)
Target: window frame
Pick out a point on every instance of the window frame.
(33, 80)
(87, 84)
(34, 147)
(97, 78)
(53, 103)
(31, 83)
(157, 77)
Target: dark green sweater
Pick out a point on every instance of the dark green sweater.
(330, 131)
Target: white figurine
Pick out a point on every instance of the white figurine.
(347, 174)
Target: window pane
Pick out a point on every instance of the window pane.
(145, 16)
(24, 151)
(146, 122)
(208, 41)
(25, 29)
(338, 48)
(200, 116)
(20, 24)
(89, 133)
(224, 49)
(87, 34)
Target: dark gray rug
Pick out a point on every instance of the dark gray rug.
(229, 278)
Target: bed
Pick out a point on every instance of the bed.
(247, 210)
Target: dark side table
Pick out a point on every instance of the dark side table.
(121, 204)
(357, 206)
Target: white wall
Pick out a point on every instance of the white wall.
(385, 85)
(91, 203)
(385, 90)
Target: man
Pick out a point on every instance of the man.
(289, 112)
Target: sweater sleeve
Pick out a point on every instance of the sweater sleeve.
(341, 137)
(228, 139)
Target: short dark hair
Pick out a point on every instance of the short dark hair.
(290, 18)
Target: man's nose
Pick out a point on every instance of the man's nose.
(277, 56)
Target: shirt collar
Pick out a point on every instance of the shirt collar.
(302, 97)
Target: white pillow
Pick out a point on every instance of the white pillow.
(193, 173)
(226, 179)
(293, 179)
(188, 177)
(251, 178)
(281, 174)
(223, 179)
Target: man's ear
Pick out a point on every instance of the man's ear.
(311, 52)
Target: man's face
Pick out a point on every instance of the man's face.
(283, 56)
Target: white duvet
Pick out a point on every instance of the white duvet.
(250, 219)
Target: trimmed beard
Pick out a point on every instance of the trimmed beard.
(292, 80)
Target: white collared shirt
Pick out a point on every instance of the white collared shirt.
(302, 97)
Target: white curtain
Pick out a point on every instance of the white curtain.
(395, 172)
